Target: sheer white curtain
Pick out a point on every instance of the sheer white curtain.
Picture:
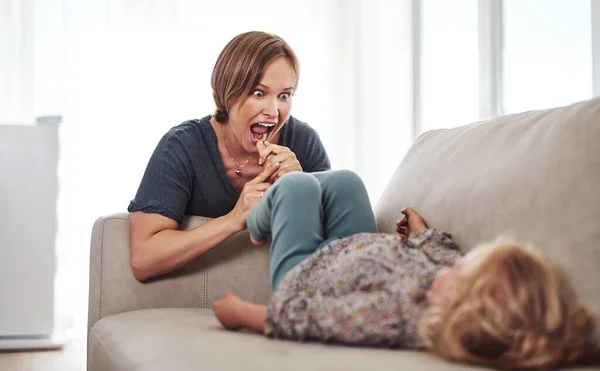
(368, 122)
(134, 68)
(16, 61)
(32, 60)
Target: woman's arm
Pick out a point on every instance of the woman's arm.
(157, 247)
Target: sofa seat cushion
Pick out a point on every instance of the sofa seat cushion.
(192, 339)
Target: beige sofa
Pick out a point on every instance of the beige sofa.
(534, 176)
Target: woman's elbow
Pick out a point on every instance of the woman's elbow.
(139, 267)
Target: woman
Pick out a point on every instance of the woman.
(334, 279)
(220, 166)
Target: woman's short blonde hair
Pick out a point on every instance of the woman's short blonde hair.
(241, 66)
(513, 309)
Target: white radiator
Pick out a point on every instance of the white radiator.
(28, 222)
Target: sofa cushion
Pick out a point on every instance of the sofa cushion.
(533, 176)
(192, 339)
(235, 265)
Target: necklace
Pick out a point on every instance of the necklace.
(238, 170)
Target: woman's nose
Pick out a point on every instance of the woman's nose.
(271, 108)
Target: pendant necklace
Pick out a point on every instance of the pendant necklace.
(238, 170)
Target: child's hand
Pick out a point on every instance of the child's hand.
(411, 224)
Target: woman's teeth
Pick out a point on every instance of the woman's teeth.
(260, 130)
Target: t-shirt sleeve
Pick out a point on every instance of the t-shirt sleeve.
(167, 183)
(316, 155)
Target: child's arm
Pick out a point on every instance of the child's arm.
(438, 246)
(417, 234)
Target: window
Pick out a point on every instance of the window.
(547, 54)
(16, 63)
(485, 58)
(449, 63)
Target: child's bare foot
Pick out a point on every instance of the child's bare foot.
(257, 243)
(228, 311)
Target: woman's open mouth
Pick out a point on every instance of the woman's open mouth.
(261, 131)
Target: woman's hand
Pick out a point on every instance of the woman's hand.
(250, 195)
(411, 224)
(269, 154)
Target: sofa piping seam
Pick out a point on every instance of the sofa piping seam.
(205, 304)
(100, 253)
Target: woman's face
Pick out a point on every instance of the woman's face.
(261, 115)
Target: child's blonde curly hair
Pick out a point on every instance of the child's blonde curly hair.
(513, 309)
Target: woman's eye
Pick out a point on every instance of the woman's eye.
(285, 96)
(258, 93)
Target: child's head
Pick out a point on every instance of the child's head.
(509, 307)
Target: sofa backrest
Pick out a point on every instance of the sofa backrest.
(233, 265)
(533, 176)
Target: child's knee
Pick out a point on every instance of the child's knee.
(297, 183)
(345, 179)
(349, 176)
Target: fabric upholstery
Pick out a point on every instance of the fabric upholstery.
(533, 176)
(235, 265)
(192, 339)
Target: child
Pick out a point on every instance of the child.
(335, 279)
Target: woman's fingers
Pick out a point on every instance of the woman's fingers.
(251, 195)
(265, 149)
(261, 187)
(271, 154)
(280, 158)
(260, 190)
(254, 192)
(286, 166)
(265, 174)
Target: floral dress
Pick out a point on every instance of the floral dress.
(366, 289)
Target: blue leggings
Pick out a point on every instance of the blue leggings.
(303, 211)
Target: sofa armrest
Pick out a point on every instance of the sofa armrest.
(234, 265)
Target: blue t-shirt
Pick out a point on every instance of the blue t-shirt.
(185, 174)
